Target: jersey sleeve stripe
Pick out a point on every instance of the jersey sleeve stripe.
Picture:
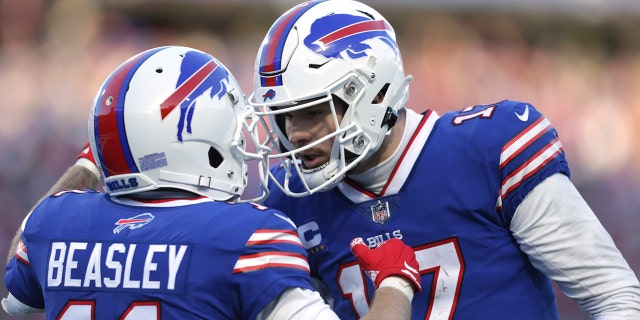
(529, 168)
(523, 140)
(21, 253)
(272, 259)
(261, 237)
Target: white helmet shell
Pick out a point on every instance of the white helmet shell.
(173, 117)
(321, 50)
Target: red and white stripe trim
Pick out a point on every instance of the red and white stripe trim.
(271, 259)
(262, 237)
(529, 168)
(21, 253)
(524, 139)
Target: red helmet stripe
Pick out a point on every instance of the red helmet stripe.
(272, 50)
(109, 130)
(364, 26)
(186, 88)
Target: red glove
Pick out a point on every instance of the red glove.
(86, 160)
(391, 258)
(86, 153)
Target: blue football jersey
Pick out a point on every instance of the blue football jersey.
(85, 256)
(451, 197)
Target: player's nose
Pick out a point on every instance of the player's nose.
(298, 129)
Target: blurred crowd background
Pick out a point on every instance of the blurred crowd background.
(577, 61)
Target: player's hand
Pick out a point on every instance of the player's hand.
(86, 153)
(85, 159)
(391, 258)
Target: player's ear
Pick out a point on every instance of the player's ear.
(380, 95)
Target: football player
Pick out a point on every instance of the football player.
(171, 238)
(482, 194)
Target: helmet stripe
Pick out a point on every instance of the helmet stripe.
(109, 118)
(186, 88)
(272, 49)
(360, 27)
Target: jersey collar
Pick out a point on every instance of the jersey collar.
(402, 169)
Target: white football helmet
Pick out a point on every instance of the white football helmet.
(319, 51)
(175, 117)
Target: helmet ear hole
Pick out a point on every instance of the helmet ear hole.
(215, 158)
(343, 105)
(381, 94)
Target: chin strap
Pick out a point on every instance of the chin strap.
(390, 118)
(391, 115)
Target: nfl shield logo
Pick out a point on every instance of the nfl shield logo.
(380, 212)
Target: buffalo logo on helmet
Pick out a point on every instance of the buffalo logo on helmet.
(270, 94)
(198, 74)
(333, 35)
